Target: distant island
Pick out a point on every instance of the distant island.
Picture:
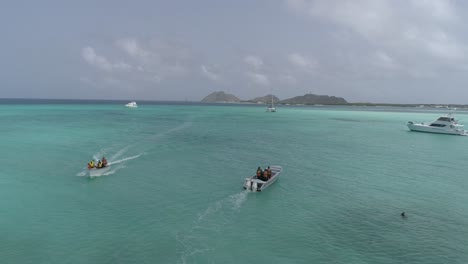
(220, 97)
(264, 99)
(312, 99)
(307, 99)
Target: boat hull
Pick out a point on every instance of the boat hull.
(260, 184)
(96, 172)
(436, 130)
(132, 105)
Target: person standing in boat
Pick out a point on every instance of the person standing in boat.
(104, 162)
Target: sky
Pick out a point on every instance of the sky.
(379, 51)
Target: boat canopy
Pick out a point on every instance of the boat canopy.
(446, 119)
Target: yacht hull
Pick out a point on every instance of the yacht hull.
(436, 130)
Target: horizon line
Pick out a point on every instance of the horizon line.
(181, 101)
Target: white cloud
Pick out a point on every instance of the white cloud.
(438, 9)
(367, 17)
(157, 78)
(254, 61)
(132, 48)
(154, 56)
(258, 78)
(440, 45)
(208, 73)
(383, 60)
(417, 32)
(301, 61)
(100, 62)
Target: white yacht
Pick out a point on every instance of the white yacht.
(443, 125)
(132, 105)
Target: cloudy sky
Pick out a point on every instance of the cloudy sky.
(389, 51)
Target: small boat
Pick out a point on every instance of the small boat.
(257, 185)
(443, 125)
(271, 107)
(95, 172)
(132, 105)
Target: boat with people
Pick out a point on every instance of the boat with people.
(98, 168)
(96, 172)
(132, 105)
(262, 179)
(443, 125)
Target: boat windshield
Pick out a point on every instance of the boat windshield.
(446, 119)
(437, 125)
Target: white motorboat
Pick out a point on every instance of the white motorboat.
(132, 105)
(257, 185)
(96, 172)
(443, 125)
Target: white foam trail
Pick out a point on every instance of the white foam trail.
(208, 222)
(125, 159)
(112, 160)
(175, 129)
(119, 153)
(112, 171)
(81, 174)
(238, 199)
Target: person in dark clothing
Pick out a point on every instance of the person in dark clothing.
(259, 173)
(268, 172)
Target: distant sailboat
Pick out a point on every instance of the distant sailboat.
(271, 107)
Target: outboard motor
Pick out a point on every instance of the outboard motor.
(248, 184)
(254, 186)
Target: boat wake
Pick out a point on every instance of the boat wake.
(209, 223)
(140, 145)
(113, 169)
(124, 159)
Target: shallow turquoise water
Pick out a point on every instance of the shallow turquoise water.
(174, 195)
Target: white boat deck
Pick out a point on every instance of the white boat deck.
(443, 125)
(257, 185)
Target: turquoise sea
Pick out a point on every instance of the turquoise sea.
(173, 194)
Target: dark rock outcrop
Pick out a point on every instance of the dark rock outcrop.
(264, 99)
(310, 99)
(220, 97)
